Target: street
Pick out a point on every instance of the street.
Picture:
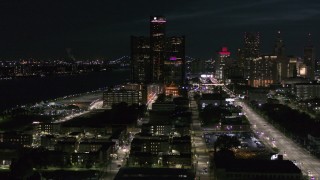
(309, 164)
(199, 149)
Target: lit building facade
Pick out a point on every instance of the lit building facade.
(140, 57)
(284, 67)
(157, 40)
(16, 138)
(220, 63)
(263, 71)
(158, 59)
(47, 128)
(292, 67)
(174, 64)
(250, 51)
(116, 96)
(307, 90)
(309, 59)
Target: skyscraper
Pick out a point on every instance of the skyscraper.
(283, 69)
(279, 48)
(158, 59)
(251, 44)
(140, 59)
(174, 64)
(220, 64)
(157, 44)
(251, 51)
(309, 58)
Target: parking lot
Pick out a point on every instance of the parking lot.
(247, 140)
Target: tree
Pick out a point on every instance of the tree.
(197, 97)
(22, 168)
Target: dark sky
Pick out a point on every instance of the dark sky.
(102, 28)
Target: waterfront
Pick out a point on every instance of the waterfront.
(30, 90)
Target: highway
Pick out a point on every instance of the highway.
(96, 104)
(309, 164)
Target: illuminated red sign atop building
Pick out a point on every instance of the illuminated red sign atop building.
(224, 52)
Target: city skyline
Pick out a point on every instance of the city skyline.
(101, 30)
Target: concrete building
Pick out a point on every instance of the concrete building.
(158, 58)
(306, 90)
(140, 59)
(250, 51)
(263, 71)
(153, 145)
(241, 169)
(309, 59)
(16, 138)
(214, 99)
(220, 63)
(130, 97)
(47, 128)
(154, 173)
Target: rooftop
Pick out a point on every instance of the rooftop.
(154, 174)
(258, 166)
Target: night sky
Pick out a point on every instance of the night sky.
(102, 28)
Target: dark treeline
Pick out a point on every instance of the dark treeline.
(298, 123)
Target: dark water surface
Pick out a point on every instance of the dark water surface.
(30, 90)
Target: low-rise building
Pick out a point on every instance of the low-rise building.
(183, 160)
(17, 138)
(153, 144)
(47, 128)
(66, 146)
(154, 173)
(252, 169)
(48, 141)
(181, 145)
(113, 96)
(214, 99)
(163, 106)
(307, 90)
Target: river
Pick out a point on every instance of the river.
(30, 90)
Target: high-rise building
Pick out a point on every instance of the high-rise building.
(174, 63)
(283, 69)
(251, 44)
(158, 59)
(291, 71)
(263, 71)
(279, 48)
(140, 59)
(309, 58)
(220, 63)
(251, 51)
(157, 44)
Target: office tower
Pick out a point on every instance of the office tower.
(140, 59)
(283, 69)
(291, 71)
(174, 64)
(158, 59)
(263, 71)
(309, 58)
(251, 44)
(157, 44)
(279, 48)
(251, 51)
(220, 64)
